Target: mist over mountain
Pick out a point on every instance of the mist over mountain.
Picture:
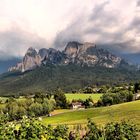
(114, 24)
(36, 24)
(133, 57)
(116, 49)
(5, 64)
(69, 54)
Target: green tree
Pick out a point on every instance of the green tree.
(88, 103)
(35, 109)
(88, 90)
(94, 133)
(11, 110)
(39, 97)
(60, 99)
(136, 87)
(121, 131)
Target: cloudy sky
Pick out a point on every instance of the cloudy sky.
(52, 23)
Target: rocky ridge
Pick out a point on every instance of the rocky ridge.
(74, 53)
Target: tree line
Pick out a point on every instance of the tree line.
(39, 104)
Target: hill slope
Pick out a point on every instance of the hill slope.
(128, 111)
(67, 77)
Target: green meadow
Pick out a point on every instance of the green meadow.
(81, 96)
(101, 115)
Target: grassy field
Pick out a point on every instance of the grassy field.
(77, 96)
(128, 111)
(59, 111)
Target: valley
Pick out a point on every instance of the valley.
(74, 90)
(70, 70)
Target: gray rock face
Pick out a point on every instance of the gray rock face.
(30, 61)
(18, 67)
(77, 53)
(72, 49)
(43, 53)
(88, 54)
(52, 56)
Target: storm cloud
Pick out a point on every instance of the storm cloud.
(15, 42)
(107, 25)
(138, 3)
(113, 24)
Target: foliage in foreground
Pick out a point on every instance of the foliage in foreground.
(15, 109)
(112, 131)
(29, 129)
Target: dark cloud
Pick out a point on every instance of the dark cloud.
(107, 25)
(103, 24)
(103, 16)
(138, 3)
(5, 64)
(118, 48)
(103, 21)
(97, 23)
(79, 28)
(14, 43)
(135, 24)
(72, 33)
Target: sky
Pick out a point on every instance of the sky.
(52, 23)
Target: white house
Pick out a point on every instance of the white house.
(77, 105)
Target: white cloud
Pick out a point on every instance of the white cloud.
(48, 23)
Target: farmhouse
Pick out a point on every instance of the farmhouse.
(137, 96)
(77, 105)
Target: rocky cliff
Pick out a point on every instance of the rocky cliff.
(30, 61)
(77, 53)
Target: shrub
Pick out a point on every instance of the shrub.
(121, 131)
(115, 98)
(60, 98)
(31, 129)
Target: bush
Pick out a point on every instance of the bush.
(115, 98)
(31, 129)
(121, 131)
(112, 131)
(88, 103)
(16, 109)
(94, 133)
(36, 109)
(60, 98)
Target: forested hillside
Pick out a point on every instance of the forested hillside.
(67, 77)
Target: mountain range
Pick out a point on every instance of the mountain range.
(77, 66)
(74, 53)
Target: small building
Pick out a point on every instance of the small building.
(137, 96)
(77, 105)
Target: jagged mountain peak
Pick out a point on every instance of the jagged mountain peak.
(77, 53)
(31, 51)
(52, 50)
(43, 52)
(72, 48)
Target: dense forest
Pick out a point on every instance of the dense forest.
(68, 78)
